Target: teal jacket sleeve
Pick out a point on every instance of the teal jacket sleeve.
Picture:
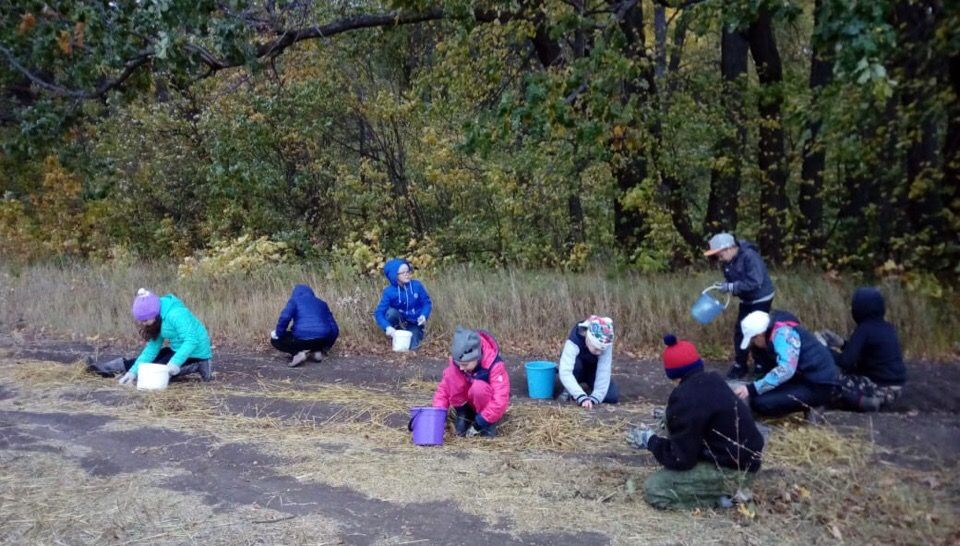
(149, 352)
(187, 334)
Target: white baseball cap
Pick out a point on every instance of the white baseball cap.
(720, 242)
(753, 324)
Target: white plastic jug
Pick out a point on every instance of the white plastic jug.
(152, 377)
(401, 340)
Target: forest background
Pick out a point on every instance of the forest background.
(601, 139)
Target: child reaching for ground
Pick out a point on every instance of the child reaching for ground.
(587, 359)
(475, 383)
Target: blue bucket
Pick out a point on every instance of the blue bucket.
(540, 376)
(707, 307)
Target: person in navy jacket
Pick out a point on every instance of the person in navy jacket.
(313, 332)
(404, 304)
(745, 276)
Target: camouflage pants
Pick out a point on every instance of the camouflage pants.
(860, 393)
(700, 487)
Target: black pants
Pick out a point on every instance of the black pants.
(588, 374)
(288, 344)
(163, 357)
(746, 309)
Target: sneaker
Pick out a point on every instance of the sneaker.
(725, 502)
(298, 359)
(317, 356)
(737, 371)
(206, 370)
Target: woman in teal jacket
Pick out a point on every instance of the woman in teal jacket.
(165, 320)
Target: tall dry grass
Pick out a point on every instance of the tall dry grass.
(528, 311)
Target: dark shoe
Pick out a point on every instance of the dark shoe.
(317, 356)
(205, 368)
(463, 422)
(871, 403)
(815, 416)
(737, 371)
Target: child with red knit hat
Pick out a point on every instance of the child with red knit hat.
(713, 446)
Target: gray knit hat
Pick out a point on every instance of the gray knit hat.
(466, 345)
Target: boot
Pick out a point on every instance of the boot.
(203, 368)
(463, 421)
(108, 368)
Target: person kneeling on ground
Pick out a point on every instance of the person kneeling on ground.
(160, 320)
(314, 329)
(404, 304)
(805, 376)
(475, 383)
(872, 373)
(713, 448)
(587, 359)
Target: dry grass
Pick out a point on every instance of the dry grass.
(529, 311)
(553, 468)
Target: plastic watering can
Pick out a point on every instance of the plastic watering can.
(707, 307)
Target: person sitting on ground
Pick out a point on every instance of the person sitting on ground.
(161, 320)
(872, 373)
(805, 376)
(314, 329)
(745, 276)
(713, 447)
(587, 359)
(475, 383)
(405, 304)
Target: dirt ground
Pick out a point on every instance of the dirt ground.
(320, 454)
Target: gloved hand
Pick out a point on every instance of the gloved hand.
(421, 320)
(833, 340)
(471, 432)
(390, 331)
(659, 412)
(639, 437)
(273, 334)
(173, 369)
(127, 379)
(723, 286)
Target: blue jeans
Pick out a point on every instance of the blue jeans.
(398, 322)
(794, 395)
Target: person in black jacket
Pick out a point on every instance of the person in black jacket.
(713, 449)
(871, 362)
(745, 276)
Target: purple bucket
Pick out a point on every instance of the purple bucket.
(428, 425)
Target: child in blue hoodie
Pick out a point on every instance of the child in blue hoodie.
(405, 304)
(314, 329)
(871, 362)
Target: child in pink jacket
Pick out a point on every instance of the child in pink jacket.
(475, 383)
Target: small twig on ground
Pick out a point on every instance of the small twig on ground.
(284, 518)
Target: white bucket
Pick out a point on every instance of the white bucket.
(401, 340)
(152, 377)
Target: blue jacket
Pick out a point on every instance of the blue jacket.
(310, 315)
(748, 274)
(874, 349)
(798, 355)
(410, 300)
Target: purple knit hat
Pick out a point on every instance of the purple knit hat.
(146, 305)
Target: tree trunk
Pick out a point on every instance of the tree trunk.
(772, 160)
(731, 148)
(810, 224)
(915, 21)
(951, 152)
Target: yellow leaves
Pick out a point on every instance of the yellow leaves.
(240, 255)
(27, 22)
(65, 42)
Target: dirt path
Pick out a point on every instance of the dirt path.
(922, 430)
(229, 477)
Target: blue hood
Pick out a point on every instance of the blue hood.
(301, 291)
(392, 266)
(867, 304)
